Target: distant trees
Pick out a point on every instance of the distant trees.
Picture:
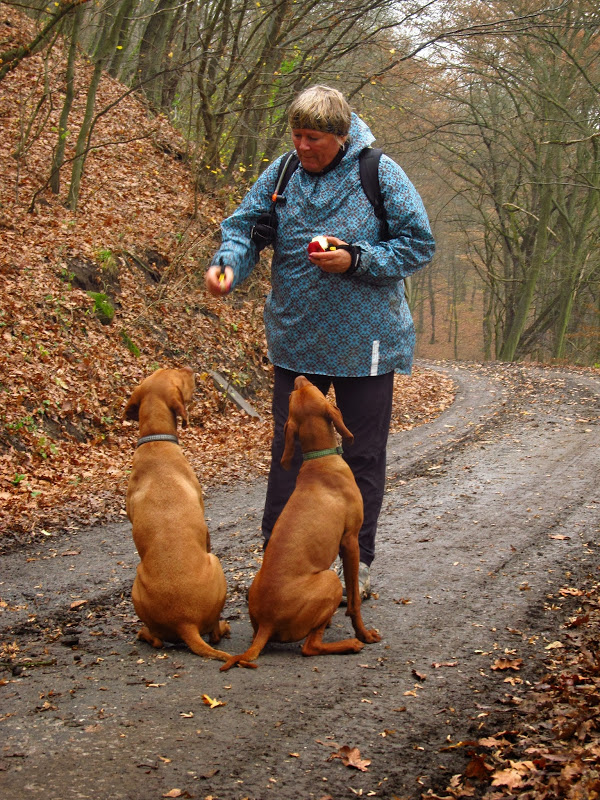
(512, 122)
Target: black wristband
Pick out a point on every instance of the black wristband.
(264, 232)
(354, 251)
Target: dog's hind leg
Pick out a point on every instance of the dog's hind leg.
(315, 646)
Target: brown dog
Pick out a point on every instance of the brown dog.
(179, 590)
(295, 594)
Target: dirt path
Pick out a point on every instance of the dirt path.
(491, 509)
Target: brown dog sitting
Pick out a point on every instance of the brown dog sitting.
(179, 590)
(295, 594)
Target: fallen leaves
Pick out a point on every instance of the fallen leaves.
(350, 757)
(569, 591)
(515, 777)
(478, 768)
(212, 702)
(507, 663)
(556, 750)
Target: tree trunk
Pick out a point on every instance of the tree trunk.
(123, 20)
(581, 219)
(431, 288)
(82, 139)
(152, 51)
(528, 286)
(59, 153)
(103, 53)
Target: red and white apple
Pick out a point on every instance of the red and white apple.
(318, 245)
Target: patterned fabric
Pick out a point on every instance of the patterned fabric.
(335, 324)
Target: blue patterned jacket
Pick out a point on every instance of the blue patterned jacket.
(334, 324)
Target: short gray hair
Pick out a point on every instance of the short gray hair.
(320, 108)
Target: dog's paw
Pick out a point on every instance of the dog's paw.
(225, 629)
(220, 631)
(371, 636)
(357, 645)
(145, 636)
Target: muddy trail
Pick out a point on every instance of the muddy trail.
(491, 511)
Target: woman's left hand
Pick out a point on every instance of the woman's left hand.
(332, 260)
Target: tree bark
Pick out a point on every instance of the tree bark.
(59, 152)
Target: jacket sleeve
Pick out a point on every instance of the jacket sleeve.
(237, 249)
(410, 245)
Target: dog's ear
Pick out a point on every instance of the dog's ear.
(290, 431)
(132, 409)
(335, 417)
(177, 406)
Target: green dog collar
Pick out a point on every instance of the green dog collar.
(333, 451)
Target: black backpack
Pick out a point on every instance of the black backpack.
(263, 233)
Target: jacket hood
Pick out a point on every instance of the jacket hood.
(359, 136)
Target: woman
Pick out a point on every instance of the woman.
(339, 317)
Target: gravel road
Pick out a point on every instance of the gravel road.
(491, 515)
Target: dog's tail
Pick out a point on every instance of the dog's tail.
(191, 636)
(261, 637)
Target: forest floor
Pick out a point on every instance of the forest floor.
(486, 681)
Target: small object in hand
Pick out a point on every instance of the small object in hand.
(320, 245)
(222, 277)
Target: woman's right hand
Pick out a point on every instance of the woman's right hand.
(217, 282)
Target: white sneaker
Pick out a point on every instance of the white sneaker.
(338, 568)
(364, 579)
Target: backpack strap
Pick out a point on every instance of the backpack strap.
(369, 177)
(264, 231)
(287, 167)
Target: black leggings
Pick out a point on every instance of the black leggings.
(366, 406)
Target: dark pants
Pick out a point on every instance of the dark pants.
(366, 406)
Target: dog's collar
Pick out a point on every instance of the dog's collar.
(332, 451)
(158, 437)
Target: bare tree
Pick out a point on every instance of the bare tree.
(101, 57)
(514, 119)
(59, 153)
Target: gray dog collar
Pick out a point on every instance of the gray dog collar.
(158, 437)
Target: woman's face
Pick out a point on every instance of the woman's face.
(316, 149)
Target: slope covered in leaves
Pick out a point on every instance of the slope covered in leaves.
(139, 241)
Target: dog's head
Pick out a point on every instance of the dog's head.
(309, 408)
(174, 387)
